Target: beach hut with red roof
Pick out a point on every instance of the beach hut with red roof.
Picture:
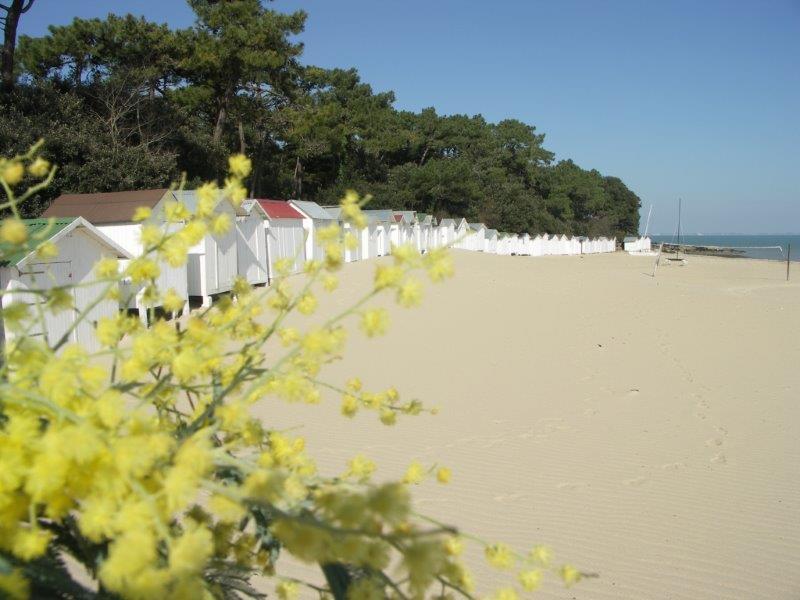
(285, 236)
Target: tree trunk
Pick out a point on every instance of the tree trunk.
(223, 112)
(242, 146)
(13, 12)
(298, 179)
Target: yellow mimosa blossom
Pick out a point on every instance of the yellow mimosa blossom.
(307, 304)
(14, 585)
(505, 594)
(39, 167)
(143, 269)
(530, 580)
(193, 232)
(239, 165)
(47, 250)
(235, 191)
(12, 172)
(30, 543)
(354, 384)
(388, 416)
(330, 282)
(175, 212)
(188, 553)
(409, 293)
(221, 224)
(227, 510)
(454, 546)
(541, 555)
(570, 575)
(13, 231)
(500, 556)
(106, 268)
(375, 322)
(349, 405)
(172, 302)
(387, 276)
(142, 213)
(414, 474)
(443, 475)
(360, 467)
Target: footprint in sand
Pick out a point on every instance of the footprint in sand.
(719, 459)
(509, 497)
(636, 481)
(701, 415)
(673, 466)
(714, 442)
(571, 486)
(721, 430)
(702, 404)
(633, 392)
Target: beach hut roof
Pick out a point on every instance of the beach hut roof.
(333, 210)
(191, 199)
(491, 232)
(104, 207)
(630, 238)
(378, 216)
(279, 209)
(447, 222)
(476, 226)
(248, 206)
(424, 219)
(408, 215)
(312, 210)
(53, 229)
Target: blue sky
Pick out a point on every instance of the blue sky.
(681, 98)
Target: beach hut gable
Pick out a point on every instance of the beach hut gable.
(251, 251)
(285, 235)
(214, 262)
(80, 246)
(314, 217)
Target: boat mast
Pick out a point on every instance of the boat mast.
(678, 247)
(647, 225)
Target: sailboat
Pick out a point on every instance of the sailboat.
(642, 247)
(677, 258)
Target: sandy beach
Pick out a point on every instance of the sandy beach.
(647, 429)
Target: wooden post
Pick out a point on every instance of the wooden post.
(788, 259)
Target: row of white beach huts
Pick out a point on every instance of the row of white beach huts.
(86, 227)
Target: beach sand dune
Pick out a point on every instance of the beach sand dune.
(647, 429)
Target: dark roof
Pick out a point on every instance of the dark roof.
(279, 209)
(104, 207)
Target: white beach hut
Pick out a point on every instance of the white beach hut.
(80, 246)
(314, 218)
(285, 235)
(405, 220)
(462, 234)
(447, 232)
(361, 236)
(490, 241)
(525, 244)
(537, 245)
(422, 232)
(251, 242)
(379, 227)
(478, 238)
(112, 213)
(214, 262)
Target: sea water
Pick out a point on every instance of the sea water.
(753, 246)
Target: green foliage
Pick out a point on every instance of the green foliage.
(148, 102)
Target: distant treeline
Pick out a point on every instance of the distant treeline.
(125, 103)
